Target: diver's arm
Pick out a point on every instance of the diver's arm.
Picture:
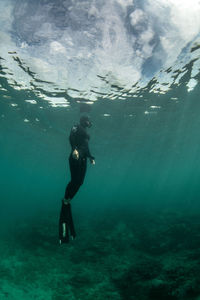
(92, 161)
(86, 138)
(91, 158)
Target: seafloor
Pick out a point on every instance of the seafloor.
(125, 256)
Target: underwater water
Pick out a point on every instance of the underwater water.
(134, 68)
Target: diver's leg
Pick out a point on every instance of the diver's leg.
(82, 171)
(72, 187)
(70, 192)
(66, 221)
(78, 170)
(77, 182)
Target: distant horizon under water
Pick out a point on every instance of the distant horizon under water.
(133, 66)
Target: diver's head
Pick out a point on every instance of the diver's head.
(85, 122)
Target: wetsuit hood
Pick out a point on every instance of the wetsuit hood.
(85, 122)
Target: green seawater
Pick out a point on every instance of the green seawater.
(149, 160)
(137, 215)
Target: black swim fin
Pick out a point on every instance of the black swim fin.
(66, 224)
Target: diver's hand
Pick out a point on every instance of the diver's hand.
(75, 154)
(92, 161)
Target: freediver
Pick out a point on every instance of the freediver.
(79, 139)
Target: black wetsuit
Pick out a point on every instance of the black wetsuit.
(79, 139)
